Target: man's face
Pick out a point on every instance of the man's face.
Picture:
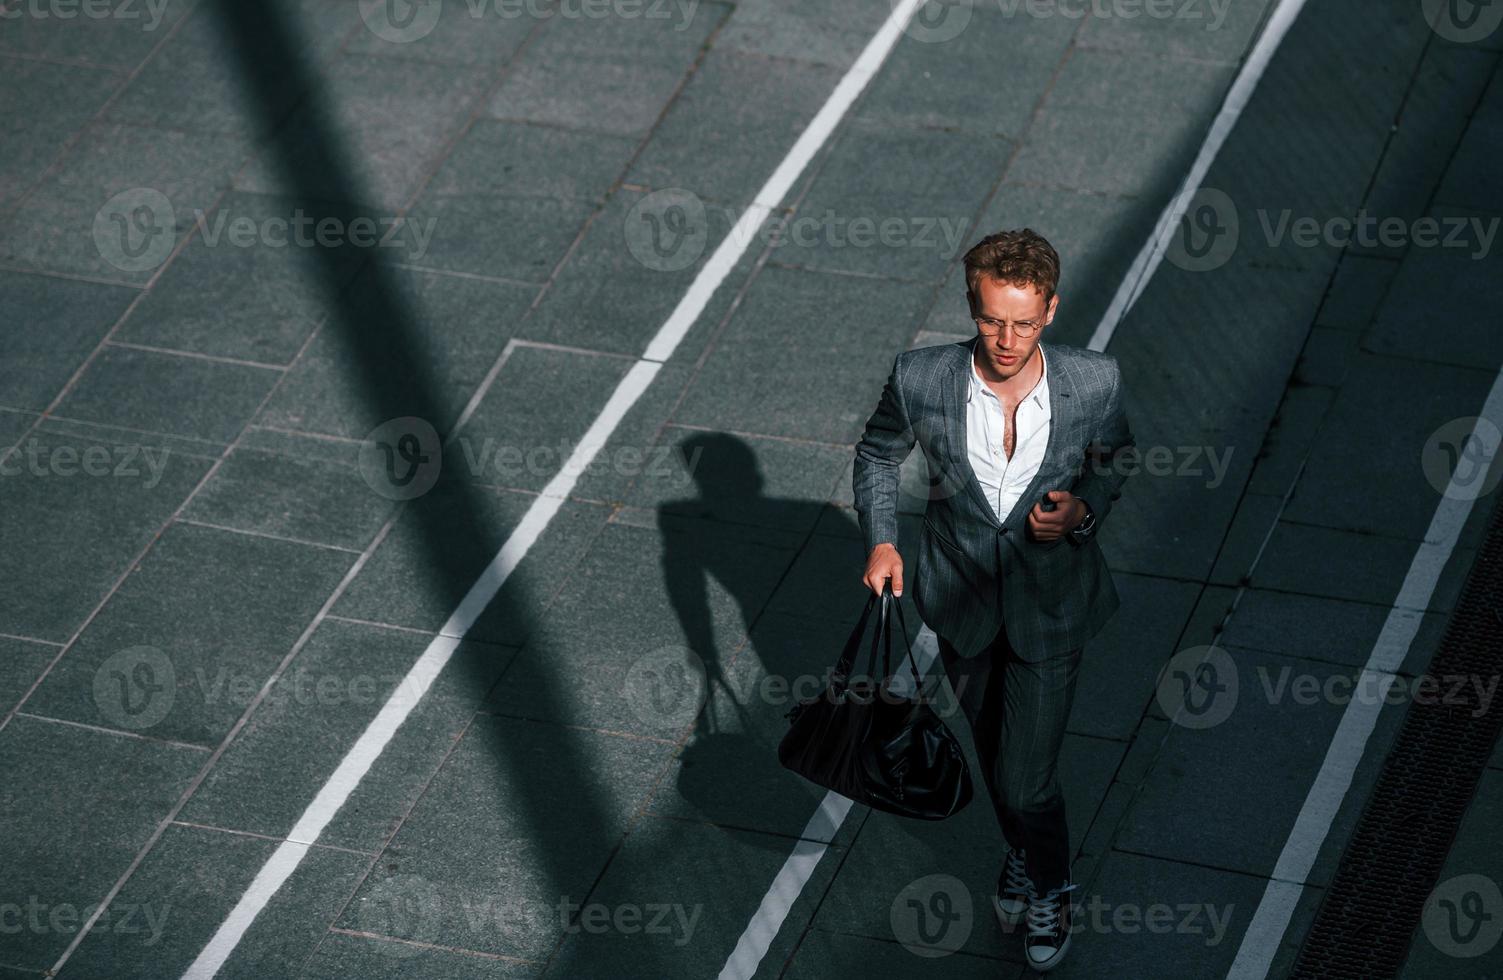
(1003, 349)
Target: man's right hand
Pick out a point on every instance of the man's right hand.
(883, 563)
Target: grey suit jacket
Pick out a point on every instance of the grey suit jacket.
(975, 574)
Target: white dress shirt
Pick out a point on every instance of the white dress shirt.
(1004, 480)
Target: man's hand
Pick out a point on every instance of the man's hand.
(883, 563)
(1049, 525)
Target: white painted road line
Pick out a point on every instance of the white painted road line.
(1291, 873)
(1237, 97)
(363, 754)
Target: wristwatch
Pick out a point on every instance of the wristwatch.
(1083, 531)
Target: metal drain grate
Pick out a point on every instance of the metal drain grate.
(1368, 916)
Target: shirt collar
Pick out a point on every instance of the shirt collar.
(1039, 395)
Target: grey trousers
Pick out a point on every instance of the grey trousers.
(1017, 712)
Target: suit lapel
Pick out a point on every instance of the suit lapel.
(1061, 407)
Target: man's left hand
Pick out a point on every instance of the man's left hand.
(1049, 525)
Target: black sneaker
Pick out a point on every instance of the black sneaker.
(1013, 890)
(1048, 928)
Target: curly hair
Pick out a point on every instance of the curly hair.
(1018, 258)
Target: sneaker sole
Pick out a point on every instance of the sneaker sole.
(1008, 919)
(1054, 960)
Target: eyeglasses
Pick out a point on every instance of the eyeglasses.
(990, 327)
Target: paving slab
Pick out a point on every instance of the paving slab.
(1319, 628)
(522, 815)
(440, 546)
(162, 392)
(253, 281)
(832, 34)
(606, 74)
(63, 849)
(954, 49)
(1141, 916)
(462, 33)
(1448, 84)
(123, 196)
(450, 330)
(622, 651)
(63, 98)
(533, 416)
(804, 370)
(293, 486)
(676, 898)
(891, 221)
(342, 954)
(1429, 289)
(313, 715)
(1281, 711)
(78, 508)
(632, 266)
(742, 479)
(1130, 121)
(1465, 183)
(823, 954)
(57, 323)
(190, 881)
(21, 663)
(734, 121)
(193, 82)
(1120, 666)
(120, 40)
(1203, 32)
(387, 123)
(184, 644)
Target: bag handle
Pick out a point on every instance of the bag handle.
(889, 598)
(848, 655)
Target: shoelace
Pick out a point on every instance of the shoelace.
(1043, 913)
(1017, 876)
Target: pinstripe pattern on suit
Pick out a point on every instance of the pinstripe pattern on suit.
(975, 574)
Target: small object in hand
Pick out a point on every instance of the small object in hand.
(1045, 504)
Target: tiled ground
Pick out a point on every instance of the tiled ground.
(198, 624)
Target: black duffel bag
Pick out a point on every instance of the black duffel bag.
(873, 745)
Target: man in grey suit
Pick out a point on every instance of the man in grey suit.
(1027, 445)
